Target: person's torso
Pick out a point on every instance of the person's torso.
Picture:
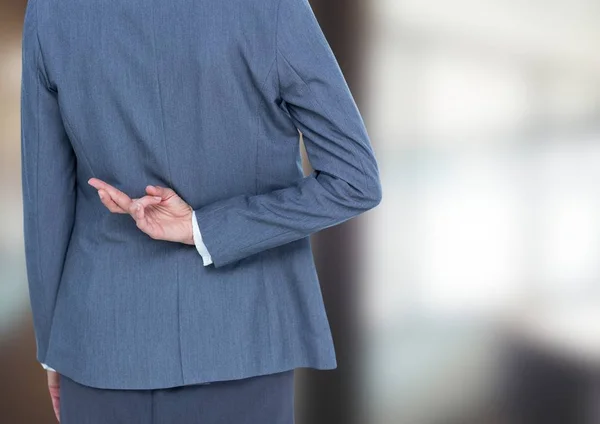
(184, 94)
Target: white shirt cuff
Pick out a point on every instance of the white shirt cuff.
(200, 246)
(46, 367)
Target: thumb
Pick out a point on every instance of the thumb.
(163, 192)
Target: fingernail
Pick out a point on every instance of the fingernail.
(157, 198)
(101, 196)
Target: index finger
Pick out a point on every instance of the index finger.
(117, 195)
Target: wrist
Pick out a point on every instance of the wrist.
(189, 228)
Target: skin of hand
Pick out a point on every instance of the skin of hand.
(54, 388)
(161, 214)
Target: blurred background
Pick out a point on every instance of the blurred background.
(471, 295)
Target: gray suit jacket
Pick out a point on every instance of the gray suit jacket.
(205, 97)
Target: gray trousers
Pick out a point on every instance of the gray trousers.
(267, 399)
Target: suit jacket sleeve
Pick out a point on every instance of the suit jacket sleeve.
(48, 183)
(346, 180)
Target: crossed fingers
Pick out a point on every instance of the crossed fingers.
(118, 202)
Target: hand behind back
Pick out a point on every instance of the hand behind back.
(161, 214)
